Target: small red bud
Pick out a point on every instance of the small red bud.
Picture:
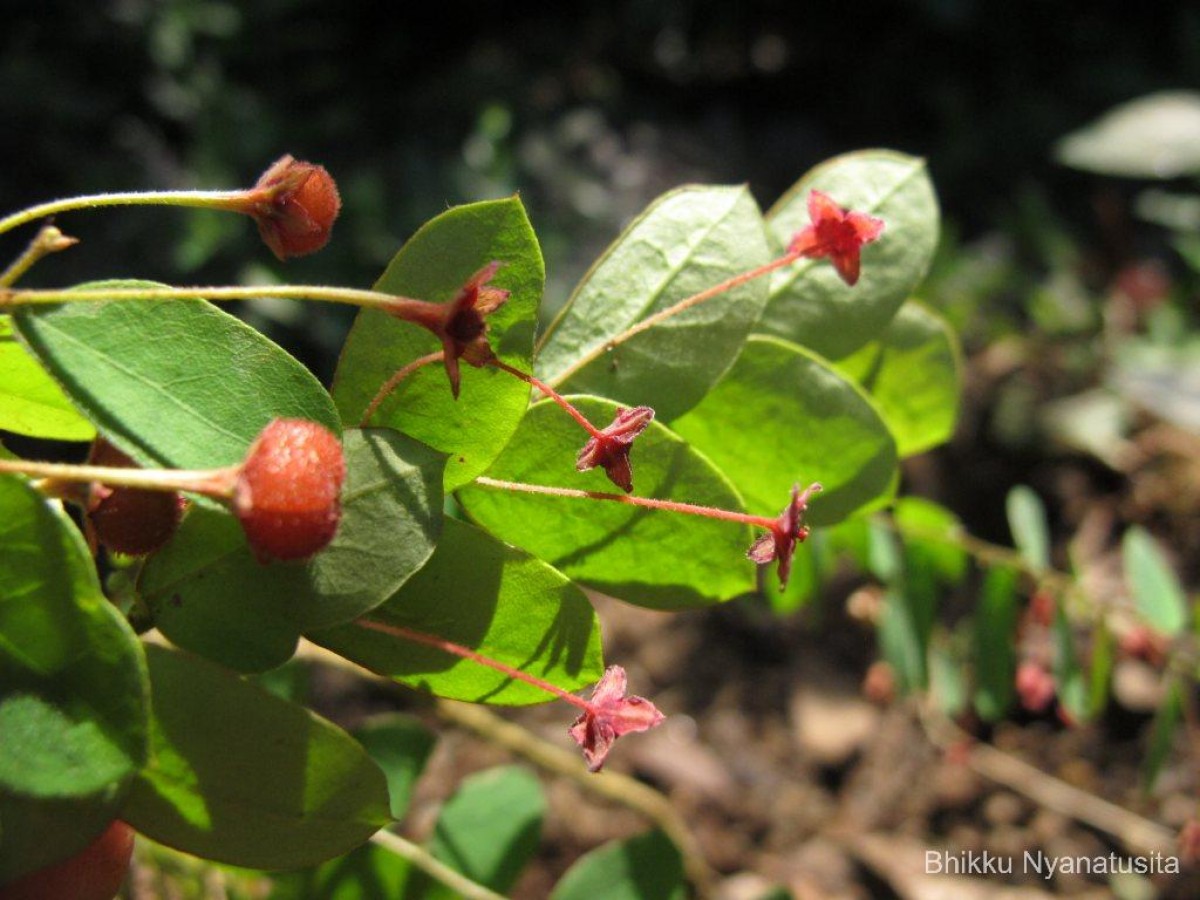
(94, 873)
(295, 204)
(1035, 687)
(130, 520)
(287, 495)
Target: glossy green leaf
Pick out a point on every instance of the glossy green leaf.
(654, 558)
(912, 372)
(400, 745)
(489, 829)
(782, 415)
(1156, 590)
(35, 833)
(73, 701)
(685, 242)
(176, 383)
(493, 599)
(209, 593)
(434, 265)
(367, 873)
(1029, 527)
(239, 776)
(995, 627)
(30, 402)
(809, 303)
(1162, 735)
(646, 867)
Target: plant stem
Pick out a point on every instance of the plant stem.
(390, 385)
(675, 309)
(693, 509)
(228, 200)
(551, 393)
(211, 482)
(432, 866)
(402, 307)
(48, 240)
(430, 640)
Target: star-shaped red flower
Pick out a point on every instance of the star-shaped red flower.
(610, 448)
(837, 233)
(611, 714)
(788, 530)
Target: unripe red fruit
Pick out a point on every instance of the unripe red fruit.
(94, 873)
(287, 495)
(130, 520)
(295, 205)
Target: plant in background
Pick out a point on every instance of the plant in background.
(724, 356)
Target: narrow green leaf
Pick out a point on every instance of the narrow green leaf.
(1030, 530)
(1071, 681)
(30, 402)
(995, 626)
(1156, 590)
(1162, 735)
(947, 680)
(686, 241)
(209, 593)
(239, 776)
(912, 371)
(646, 867)
(179, 383)
(900, 642)
(652, 558)
(809, 303)
(782, 415)
(400, 745)
(36, 832)
(434, 265)
(490, 828)
(1102, 661)
(491, 598)
(73, 691)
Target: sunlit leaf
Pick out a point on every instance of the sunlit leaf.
(30, 402)
(1157, 593)
(640, 868)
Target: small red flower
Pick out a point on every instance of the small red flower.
(294, 205)
(610, 449)
(780, 542)
(837, 233)
(610, 715)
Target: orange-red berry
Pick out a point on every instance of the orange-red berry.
(287, 495)
(94, 873)
(130, 520)
(295, 204)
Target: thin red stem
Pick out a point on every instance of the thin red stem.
(390, 385)
(692, 509)
(551, 393)
(430, 640)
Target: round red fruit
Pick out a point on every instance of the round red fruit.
(94, 873)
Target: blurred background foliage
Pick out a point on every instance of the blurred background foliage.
(592, 109)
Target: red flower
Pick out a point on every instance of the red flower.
(294, 204)
(837, 233)
(610, 448)
(611, 714)
(780, 542)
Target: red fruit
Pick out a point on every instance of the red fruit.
(287, 495)
(295, 204)
(130, 520)
(94, 873)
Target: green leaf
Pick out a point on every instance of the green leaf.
(493, 599)
(209, 593)
(1162, 735)
(782, 415)
(686, 241)
(947, 680)
(490, 828)
(434, 265)
(1071, 681)
(400, 745)
(936, 530)
(1030, 530)
(1157, 593)
(809, 303)
(368, 873)
(646, 867)
(73, 691)
(900, 642)
(912, 371)
(179, 383)
(35, 833)
(239, 776)
(653, 558)
(1156, 136)
(30, 402)
(995, 627)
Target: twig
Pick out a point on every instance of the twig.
(432, 866)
